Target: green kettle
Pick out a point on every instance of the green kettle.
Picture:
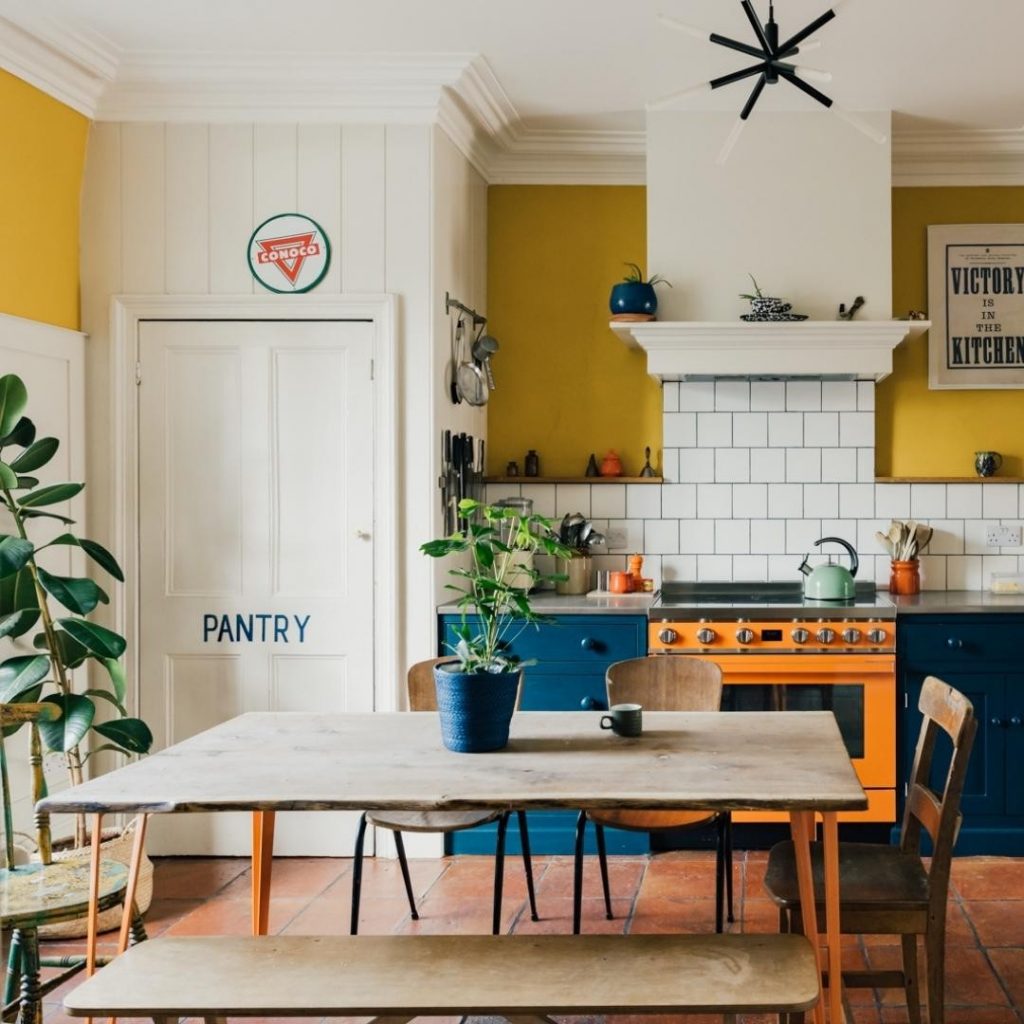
(831, 582)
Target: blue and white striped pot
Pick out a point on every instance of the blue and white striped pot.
(476, 708)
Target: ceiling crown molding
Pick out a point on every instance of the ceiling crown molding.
(978, 156)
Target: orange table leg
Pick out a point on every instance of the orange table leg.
(262, 862)
(802, 826)
(94, 895)
(832, 924)
(134, 866)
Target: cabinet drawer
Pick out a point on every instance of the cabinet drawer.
(959, 641)
(561, 691)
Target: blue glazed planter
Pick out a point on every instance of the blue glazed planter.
(475, 708)
(633, 297)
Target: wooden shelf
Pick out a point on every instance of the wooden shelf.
(573, 480)
(949, 479)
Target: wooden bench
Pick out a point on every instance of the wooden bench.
(401, 977)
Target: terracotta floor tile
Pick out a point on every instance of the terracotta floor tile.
(958, 1015)
(556, 917)
(624, 874)
(473, 878)
(223, 916)
(989, 878)
(659, 916)
(376, 917)
(969, 978)
(683, 879)
(1010, 965)
(195, 878)
(470, 917)
(958, 930)
(997, 922)
(164, 913)
(294, 876)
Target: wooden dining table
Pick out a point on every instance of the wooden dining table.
(269, 762)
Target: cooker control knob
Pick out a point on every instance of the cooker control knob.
(744, 636)
(800, 635)
(705, 636)
(825, 635)
(876, 636)
(851, 636)
(668, 636)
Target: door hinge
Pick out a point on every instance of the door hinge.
(138, 373)
(371, 369)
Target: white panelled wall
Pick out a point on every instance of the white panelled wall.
(755, 472)
(168, 209)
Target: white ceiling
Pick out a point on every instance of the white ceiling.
(592, 64)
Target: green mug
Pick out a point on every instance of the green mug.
(987, 463)
(624, 719)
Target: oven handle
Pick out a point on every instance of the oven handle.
(799, 666)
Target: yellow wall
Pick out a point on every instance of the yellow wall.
(935, 433)
(42, 151)
(566, 385)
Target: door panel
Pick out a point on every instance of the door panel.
(256, 557)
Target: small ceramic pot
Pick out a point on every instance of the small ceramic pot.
(765, 304)
(611, 464)
(577, 570)
(475, 708)
(620, 582)
(987, 463)
(633, 297)
(905, 577)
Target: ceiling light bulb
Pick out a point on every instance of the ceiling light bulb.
(730, 142)
(665, 101)
(860, 124)
(813, 74)
(809, 47)
(681, 26)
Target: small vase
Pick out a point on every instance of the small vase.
(611, 464)
(475, 708)
(577, 569)
(633, 297)
(905, 577)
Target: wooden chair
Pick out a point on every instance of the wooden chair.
(43, 892)
(669, 683)
(889, 890)
(423, 697)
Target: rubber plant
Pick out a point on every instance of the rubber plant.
(64, 642)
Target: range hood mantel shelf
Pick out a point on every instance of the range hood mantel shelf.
(811, 349)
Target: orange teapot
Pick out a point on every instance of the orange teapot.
(611, 464)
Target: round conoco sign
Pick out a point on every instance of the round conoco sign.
(289, 252)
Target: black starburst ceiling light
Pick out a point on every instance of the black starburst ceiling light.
(773, 64)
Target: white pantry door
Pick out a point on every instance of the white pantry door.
(255, 538)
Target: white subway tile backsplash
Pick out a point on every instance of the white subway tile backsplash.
(963, 501)
(928, 501)
(782, 567)
(821, 501)
(803, 465)
(608, 501)
(845, 528)
(866, 465)
(732, 465)
(801, 535)
(543, 497)
(714, 429)
(732, 395)
(749, 567)
(803, 395)
(679, 501)
(696, 396)
(785, 430)
(947, 537)
(732, 536)
(697, 536)
(714, 567)
(670, 396)
(680, 429)
(838, 395)
(661, 537)
(838, 465)
(643, 501)
(933, 572)
(570, 498)
(892, 501)
(714, 501)
(670, 464)
(857, 501)
(975, 531)
(821, 429)
(750, 501)
(963, 572)
(867, 542)
(865, 396)
(678, 567)
(999, 501)
(696, 465)
(750, 429)
(857, 429)
(996, 563)
(785, 501)
(767, 465)
(632, 531)
(768, 395)
(768, 536)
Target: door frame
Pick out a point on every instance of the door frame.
(127, 314)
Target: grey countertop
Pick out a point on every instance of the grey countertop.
(547, 602)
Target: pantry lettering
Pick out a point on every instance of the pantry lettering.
(254, 627)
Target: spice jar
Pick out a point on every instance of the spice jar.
(905, 577)
(512, 469)
(531, 464)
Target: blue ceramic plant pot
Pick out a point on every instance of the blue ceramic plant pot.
(475, 708)
(633, 297)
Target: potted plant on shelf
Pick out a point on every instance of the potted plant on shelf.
(67, 642)
(633, 297)
(476, 695)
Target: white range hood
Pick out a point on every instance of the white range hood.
(811, 349)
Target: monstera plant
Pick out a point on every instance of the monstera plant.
(53, 609)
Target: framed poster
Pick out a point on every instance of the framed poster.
(976, 306)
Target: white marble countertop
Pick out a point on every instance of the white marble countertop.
(547, 602)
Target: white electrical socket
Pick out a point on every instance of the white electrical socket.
(616, 538)
(1003, 536)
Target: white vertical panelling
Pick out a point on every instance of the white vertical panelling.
(364, 169)
(187, 218)
(319, 189)
(142, 208)
(231, 217)
(275, 178)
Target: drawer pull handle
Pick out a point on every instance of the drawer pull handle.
(997, 722)
(593, 704)
(588, 643)
(954, 644)
(1016, 721)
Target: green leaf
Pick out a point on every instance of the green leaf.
(117, 677)
(26, 483)
(77, 593)
(97, 552)
(20, 673)
(77, 714)
(109, 698)
(34, 513)
(50, 495)
(13, 399)
(132, 735)
(17, 593)
(14, 554)
(36, 455)
(70, 651)
(17, 623)
(22, 435)
(8, 478)
(96, 639)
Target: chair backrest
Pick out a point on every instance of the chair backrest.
(13, 716)
(421, 689)
(938, 815)
(666, 683)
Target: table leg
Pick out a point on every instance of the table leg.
(134, 866)
(262, 863)
(832, 924)
(801, 825)
(93, 918)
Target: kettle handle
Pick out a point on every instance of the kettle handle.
(854, 559)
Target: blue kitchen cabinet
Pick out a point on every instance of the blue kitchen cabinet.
(572, 653)
(976, 654)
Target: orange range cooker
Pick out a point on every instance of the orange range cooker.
(781, 652)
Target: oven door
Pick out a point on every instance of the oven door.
(860, 690)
